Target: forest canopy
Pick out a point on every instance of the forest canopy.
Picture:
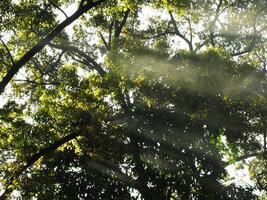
(131, 99)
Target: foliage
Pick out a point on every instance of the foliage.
(119, 109)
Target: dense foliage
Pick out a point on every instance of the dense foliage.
(132, 99)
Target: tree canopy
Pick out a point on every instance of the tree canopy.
(130, 99)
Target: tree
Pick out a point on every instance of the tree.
(117, 110)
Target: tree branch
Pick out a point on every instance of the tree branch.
(152, 36)
(8, 51)
(240, 158)
(211, 27)
(43, 42)
(246, 50)
(190, 29)
(178, 33)
(110, 33)
(36, 83)
(264, 141)
(120, 25)
(34, 158)
(81, 3)
(255, 34)
(90, 61)
(62, 11)
(104, 41)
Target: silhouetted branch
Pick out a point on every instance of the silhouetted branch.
(265, 142)
(212, 24)
(34, 158)
(255, 33)
(90, 61)
(246, 50)
(240, 158)
(119, 25)
(104, 41)
(8, 51)
(43, 42)
(190, 29)
(142, 37)
(178, 33)
(62, 11)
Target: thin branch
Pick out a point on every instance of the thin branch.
(90, 61)
(211, 27)
(221, 23)
(43, 42)
(81, 3)
(54, 64)
(190, 29)
(153, 36)
(104, 41)
(36, 83)
(56, 6)
(256, 33)
(33, 159)
(246, 50)
(240, 158)
(201, 45)
(265, 142)
(8, 51)
(84, 62)
(110, 33)
(120, 25)
(178, 33)
(224, 35)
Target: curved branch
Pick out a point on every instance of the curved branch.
(43, 42)
(90, 60)
(178, 33)
(57, 7)
(8, 51)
